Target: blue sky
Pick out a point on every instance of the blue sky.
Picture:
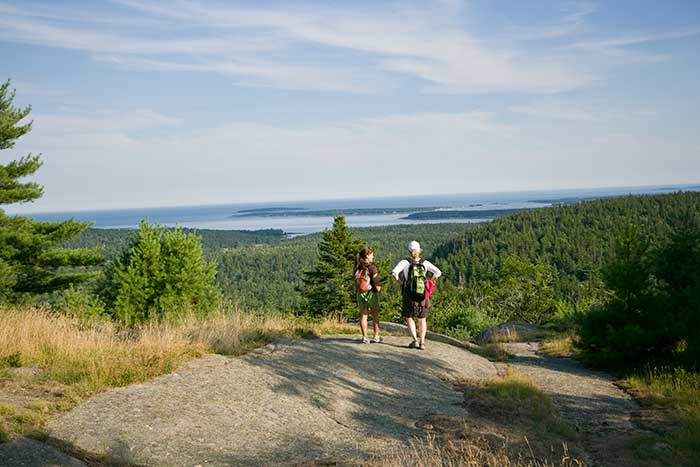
(159, 103)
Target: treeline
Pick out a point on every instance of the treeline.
(115, 241)
(574, 240)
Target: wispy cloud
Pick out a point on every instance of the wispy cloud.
(555, 112)
(635, 40)
(621, 47)
(103, 122)
(353, 48)
(579, 112)
(572, 21)
(275, 46)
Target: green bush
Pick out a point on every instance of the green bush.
(161, 275)
(454, 318)
(521, 291)
(80, 303)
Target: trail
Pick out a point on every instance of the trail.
(600, 411)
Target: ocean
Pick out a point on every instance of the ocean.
(303, 217)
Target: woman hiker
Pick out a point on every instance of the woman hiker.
(415, 301)
(368, 288)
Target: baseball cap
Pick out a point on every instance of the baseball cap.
(413, 246)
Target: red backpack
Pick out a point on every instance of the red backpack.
(362, 280)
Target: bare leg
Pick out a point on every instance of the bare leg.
(363, 322)
(412, 328)
(375, 321)
(422, 328)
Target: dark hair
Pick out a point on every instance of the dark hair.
(361, 258)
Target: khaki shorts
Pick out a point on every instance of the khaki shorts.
(411, 309)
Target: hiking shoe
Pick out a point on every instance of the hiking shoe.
(421, 346)
(377, 339)
(413, 345)
(365, 340)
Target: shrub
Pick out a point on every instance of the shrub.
(162, 274)
(521, 291)
(80, 303)
(452, 317)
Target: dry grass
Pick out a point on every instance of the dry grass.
(509, 335)
(674, 396)
(511, 423)
(477, 452)
(514, 401)
(89, 357)
(516, 394)
(559, 346)
(493, 351)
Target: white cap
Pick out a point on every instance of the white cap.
(413, 246)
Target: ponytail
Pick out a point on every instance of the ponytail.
(361, 258)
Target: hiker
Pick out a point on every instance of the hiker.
(368, 288)
(415, 291)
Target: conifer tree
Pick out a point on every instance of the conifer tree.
(329, 288)
(31, 262)
(162, 274)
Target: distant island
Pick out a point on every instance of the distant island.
(268, 210)
(456, 214)
(299, 212)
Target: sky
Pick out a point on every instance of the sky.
(144, 103)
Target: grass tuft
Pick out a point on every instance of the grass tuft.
(515, 395)
(559, 346)
(495, 351)
(476, 452)
(677, 392)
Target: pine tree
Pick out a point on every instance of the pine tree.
(31, 262)
(162, 274)
(329, 288)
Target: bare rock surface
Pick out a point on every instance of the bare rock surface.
(292, 402)
(25, 452)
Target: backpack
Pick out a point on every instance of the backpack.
(415, 282)
(362, 280)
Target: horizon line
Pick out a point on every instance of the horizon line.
(387, 197)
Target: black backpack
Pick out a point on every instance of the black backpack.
(415, 282)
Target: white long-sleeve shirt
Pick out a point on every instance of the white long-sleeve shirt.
(404, 264)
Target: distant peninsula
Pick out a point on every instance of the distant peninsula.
(259, 211)
(298, 212)
(457, 214)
